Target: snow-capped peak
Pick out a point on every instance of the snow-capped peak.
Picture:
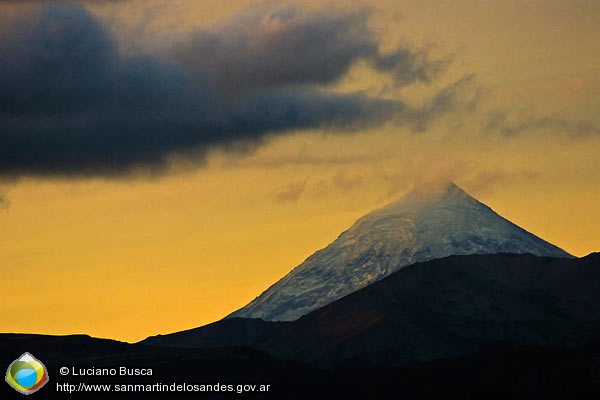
(423, 225)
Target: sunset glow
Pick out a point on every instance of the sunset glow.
(155, 231)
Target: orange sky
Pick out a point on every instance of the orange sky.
(131, 257)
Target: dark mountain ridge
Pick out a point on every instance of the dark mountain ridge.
(437, 309)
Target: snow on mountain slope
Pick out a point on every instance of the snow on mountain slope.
(418, 227)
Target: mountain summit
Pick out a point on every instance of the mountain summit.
(421, 226)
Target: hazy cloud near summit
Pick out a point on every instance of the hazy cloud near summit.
(71, 104)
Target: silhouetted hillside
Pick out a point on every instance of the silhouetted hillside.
(442, 308)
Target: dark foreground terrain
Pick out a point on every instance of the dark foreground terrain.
(499, 326)
(500, 372)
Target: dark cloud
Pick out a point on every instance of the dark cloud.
(72, 105)
(290, 46)
(512, 123)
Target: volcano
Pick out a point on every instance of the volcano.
(419, 227)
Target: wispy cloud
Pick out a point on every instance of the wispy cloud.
(511, 123)
(4, 202)
(292, 192)
(303, 159)
(346, 181)
(486, 180)
(49, 2)
(435, 173)
(461, 95)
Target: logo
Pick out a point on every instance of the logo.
(26, 374)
